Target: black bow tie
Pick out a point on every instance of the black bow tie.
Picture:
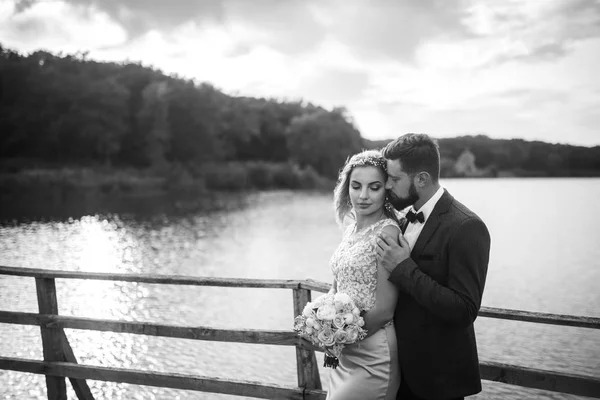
(412, 217)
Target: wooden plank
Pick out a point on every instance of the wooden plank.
(579, 385)
(80, 386)
(309, 284)
(306, 361)
(280, 338)
(51, 339)
(150, 278)
(172, 380)
(542, 318)
(315, 394)
(316, 286)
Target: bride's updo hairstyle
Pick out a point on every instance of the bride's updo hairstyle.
(341, 194)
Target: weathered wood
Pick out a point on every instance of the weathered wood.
(172, 380)
(281, 338)
(316, 286)
(57, 349)
(309, 284)
(80, 386)
(315, 394)
(306, 361)
(542, 318)
(579, 385)
(51, 339)
(150, 278)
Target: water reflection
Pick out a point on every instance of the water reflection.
(279, 235)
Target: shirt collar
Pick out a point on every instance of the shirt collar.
(428, 207)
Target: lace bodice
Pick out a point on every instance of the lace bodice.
(354, 263)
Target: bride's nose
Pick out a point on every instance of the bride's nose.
(364, 195)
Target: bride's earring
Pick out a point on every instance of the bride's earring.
(387, 204)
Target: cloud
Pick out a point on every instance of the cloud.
(287, 26)
(141, 16)
(58, 27)
(387, 29)
(505, 68)
(533, 31)
(335, 87)
(394, 30)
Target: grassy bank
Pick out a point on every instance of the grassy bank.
(41, 192)
(173, 178)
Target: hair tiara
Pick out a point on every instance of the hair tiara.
(369, 161)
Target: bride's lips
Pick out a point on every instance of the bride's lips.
(363, 205)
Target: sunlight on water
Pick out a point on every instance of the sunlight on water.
(539, 262)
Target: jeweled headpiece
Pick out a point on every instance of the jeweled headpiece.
(372, 159)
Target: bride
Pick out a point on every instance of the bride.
(368, 369)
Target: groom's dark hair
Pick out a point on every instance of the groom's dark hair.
(417, 152)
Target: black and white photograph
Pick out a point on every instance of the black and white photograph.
(299, 199)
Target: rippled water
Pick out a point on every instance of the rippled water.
(539, 262)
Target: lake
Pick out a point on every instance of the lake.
(545, 257)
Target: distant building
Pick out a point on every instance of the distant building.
(465, 164)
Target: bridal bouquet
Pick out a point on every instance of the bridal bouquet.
(331, 321)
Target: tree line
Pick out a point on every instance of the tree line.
(60, 109)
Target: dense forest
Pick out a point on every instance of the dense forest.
(69, 112)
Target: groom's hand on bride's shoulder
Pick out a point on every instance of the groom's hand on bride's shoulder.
(391, 251)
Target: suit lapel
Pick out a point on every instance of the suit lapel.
(431, 225)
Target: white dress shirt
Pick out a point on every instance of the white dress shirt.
(413, 230)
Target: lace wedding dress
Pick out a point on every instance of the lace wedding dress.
(368, 369)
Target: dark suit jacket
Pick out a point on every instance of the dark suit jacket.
(441, 286)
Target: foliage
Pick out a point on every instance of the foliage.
(67, 111)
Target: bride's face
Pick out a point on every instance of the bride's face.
(367, 190)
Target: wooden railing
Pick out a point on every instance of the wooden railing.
(60, 362)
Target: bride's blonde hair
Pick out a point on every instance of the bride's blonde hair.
(341, 193)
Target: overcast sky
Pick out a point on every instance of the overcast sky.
(507, 69)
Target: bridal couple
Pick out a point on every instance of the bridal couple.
(419, 279)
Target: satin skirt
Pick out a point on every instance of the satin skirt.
(368, 370)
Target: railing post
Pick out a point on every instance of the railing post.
(306, 362)
(80, 386)
(51, 336)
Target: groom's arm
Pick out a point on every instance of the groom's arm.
(457, 302)
(386, 296)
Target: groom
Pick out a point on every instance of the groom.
(440, 268)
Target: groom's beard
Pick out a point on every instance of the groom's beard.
(400, 203)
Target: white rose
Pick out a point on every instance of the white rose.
(338, 321)
(326, 337)
(356, 311)
(326, 311)
(310, 322)
(349, 318)
(360, 322)
(342, 298)
(316, 325)
(340, 336)
(308, 330)
(308, 310)
(352, 332)
(326, 298)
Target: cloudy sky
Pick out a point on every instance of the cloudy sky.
(507, 69)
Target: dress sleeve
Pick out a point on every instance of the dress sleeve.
(388, 222)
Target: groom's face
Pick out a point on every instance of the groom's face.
(401, 187)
